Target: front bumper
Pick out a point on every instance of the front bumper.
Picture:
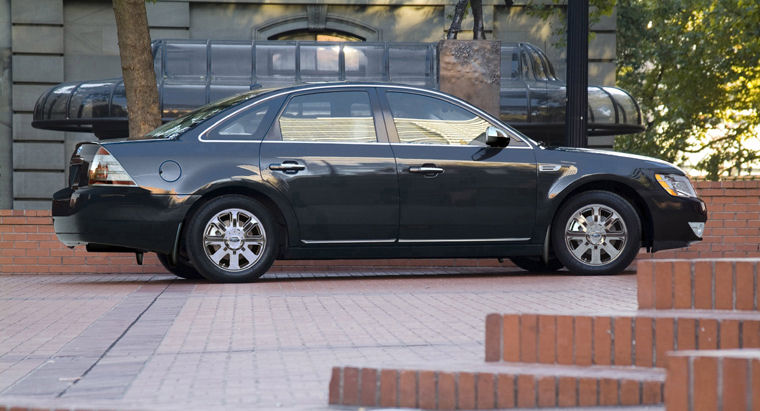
(129, 217)
(671, 217)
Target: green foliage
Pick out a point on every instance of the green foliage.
(694, 67)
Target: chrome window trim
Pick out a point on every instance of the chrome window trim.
(324, 142)
(454, 145)
(391, 86)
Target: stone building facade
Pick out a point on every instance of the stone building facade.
(46, 42)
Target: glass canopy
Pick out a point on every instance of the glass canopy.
(191, 73)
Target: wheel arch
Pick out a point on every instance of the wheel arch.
(623, 190)
(286, 224)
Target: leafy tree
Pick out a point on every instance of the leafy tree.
(694, 67)
(137, 66)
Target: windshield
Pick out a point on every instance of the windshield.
(182, 124)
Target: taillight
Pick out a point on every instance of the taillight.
(106, 170)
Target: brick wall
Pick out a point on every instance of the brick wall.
(733, 222)
(28, 244)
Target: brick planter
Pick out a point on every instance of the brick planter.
(28, 245)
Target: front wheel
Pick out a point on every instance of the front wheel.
(596, 233)
(232, 238)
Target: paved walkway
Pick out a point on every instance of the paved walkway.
(157, 342)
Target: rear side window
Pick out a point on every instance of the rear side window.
(339, 116)
(250, 124)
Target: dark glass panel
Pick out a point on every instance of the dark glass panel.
(186, 61)
(231, 63)
(364, 62)
(91, 100)
(275, 64)
(220, 91)
(601, 110)
(320, 62)
(180, 99)
(410, 65)
(55, 105)
(119, 101)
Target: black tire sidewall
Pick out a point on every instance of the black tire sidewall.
(537, 264)
(194, 239)
(626, 211)
(181, 269)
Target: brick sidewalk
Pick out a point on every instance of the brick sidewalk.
(156, 342)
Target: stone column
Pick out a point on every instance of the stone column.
(6, 136)
(37, 43)
(471, 70)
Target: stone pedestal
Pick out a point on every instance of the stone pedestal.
(471, 70)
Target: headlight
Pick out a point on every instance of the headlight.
(676, 185)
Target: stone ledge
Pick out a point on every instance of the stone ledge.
(715, 380)
(640, 338)
(717, 284)
(501, 386)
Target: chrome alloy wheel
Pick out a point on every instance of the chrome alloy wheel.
(234, 239)
(596, 235)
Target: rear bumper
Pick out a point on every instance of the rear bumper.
(119, 216)
(671, 218)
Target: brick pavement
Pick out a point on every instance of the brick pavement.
(156, 342)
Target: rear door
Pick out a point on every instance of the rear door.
(329, 156)
(454, 188)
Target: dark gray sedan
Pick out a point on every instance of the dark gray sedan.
(366, 171)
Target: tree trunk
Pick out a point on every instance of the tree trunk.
(137, 67)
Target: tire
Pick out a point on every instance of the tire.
(536, 264)
(596, 233)
(182, 269)
(232, 239)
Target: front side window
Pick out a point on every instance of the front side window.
(427, 120)
(339, 116)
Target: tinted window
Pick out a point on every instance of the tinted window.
(426, 120)
(341, 116)
(182, 124)
(250, 124)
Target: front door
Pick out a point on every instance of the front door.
(452, 186)
(324, 155)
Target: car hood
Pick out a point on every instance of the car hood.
(651, 161)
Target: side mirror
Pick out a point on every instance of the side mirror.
(496, 137)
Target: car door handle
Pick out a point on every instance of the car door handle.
(288, 167)
(425, 169)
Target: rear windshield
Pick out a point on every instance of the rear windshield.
(182, 124)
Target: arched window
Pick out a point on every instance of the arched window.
(315, 35)
(317, 25)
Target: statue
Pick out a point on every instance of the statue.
(478, 32)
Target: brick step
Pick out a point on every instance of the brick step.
(488, 386)
(628, 339)
(713, 380)
(717, 284)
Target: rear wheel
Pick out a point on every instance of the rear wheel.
(181, 269)
(232, 238)
(596, 233)
(536, 264)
